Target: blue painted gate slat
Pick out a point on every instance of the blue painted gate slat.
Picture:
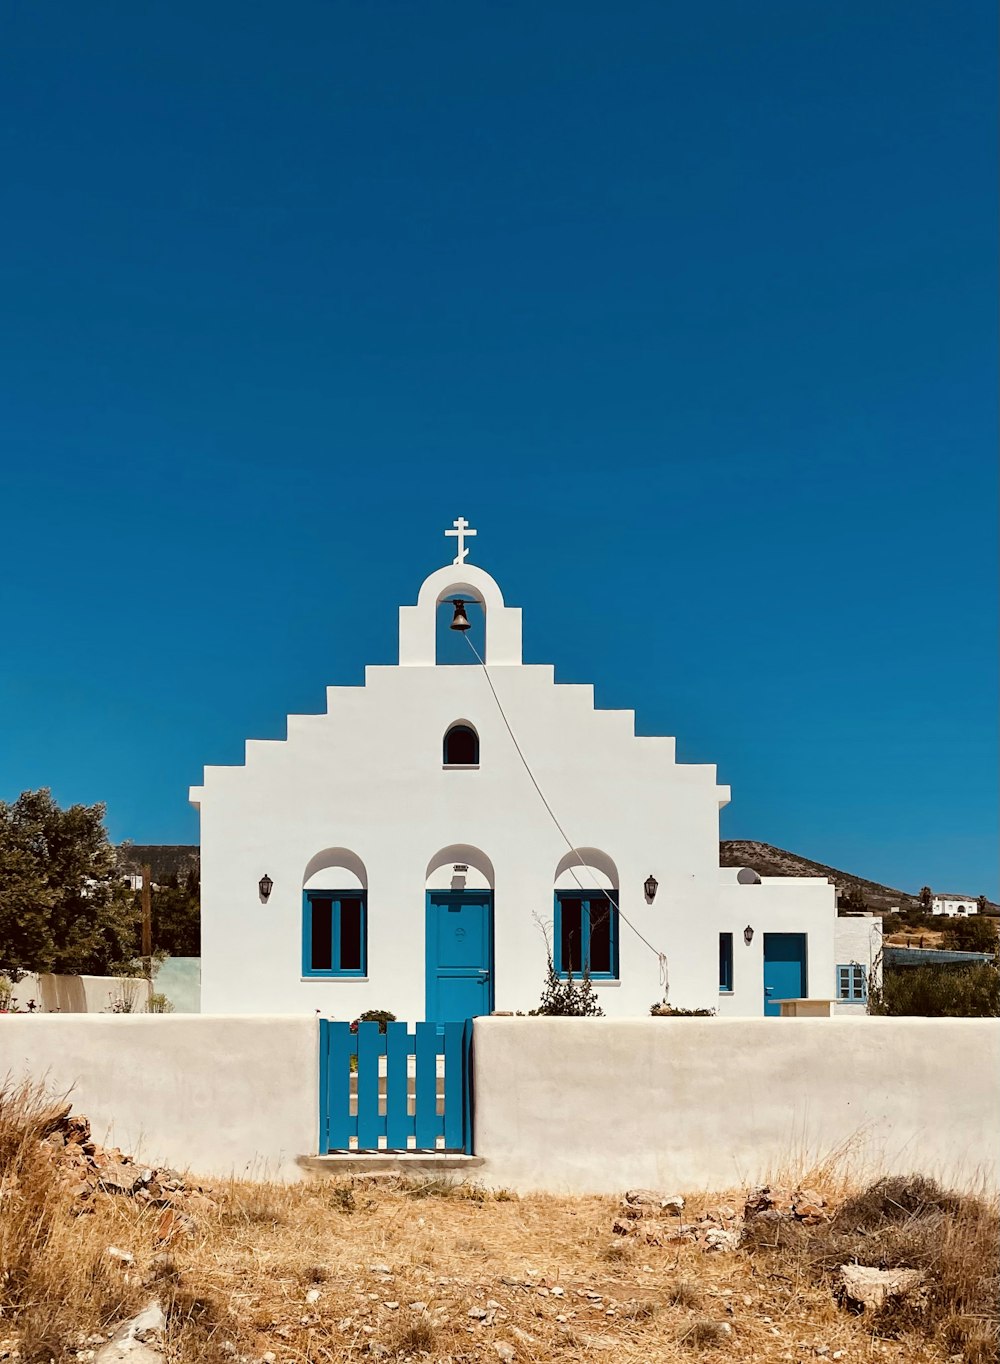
(428, 1123)
(341, 1047)
(399, 1125)
(371, 1124)
(453, 1107)
(382, 1117)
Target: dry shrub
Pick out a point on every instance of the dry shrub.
(908, 1222)
(704, 1334)
(194, 1324)
(342, 1198)
(439, 1186)
(684, 1293)
(406, 1338)
(640, 1311)
(618, 1252)
(259, 1205)
(896, 1198)
(56, 1281)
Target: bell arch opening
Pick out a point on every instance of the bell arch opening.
(459, 621)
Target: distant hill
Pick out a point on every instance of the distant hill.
(771, 861)
(168, 859)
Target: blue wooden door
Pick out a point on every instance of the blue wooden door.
(459, 955)
(784, 969)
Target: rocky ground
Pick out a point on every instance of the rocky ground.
(142, 1263)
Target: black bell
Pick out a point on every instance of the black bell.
(460, 621)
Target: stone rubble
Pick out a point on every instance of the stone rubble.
(644, 1214)
(89, 1169)
(769, 1204)
(137, 1341)
(650, 1215)
(870, 1288)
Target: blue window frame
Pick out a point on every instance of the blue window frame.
(725, 963)
(852, 983)
(334, 933)
(586, 934)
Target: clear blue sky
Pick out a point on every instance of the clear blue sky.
(689, 308)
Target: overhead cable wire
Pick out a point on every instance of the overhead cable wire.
(660, 956)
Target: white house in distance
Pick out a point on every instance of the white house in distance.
(953, 904)
(396, 852)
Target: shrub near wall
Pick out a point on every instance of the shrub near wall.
(938, 992)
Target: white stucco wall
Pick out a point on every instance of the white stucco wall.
(366, 778)
(218, 1096)
(564, 1105)
(588, 1106)
(80, 994)
(857, 941)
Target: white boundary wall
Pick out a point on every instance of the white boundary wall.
(214, 1095)
(595, 1106)
(80, 994)
(561, 1105)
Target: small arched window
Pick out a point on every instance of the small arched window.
(461, 747)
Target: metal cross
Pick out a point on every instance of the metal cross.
(461, 530)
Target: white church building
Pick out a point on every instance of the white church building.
(419, 845)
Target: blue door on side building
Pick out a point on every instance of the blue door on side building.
(459, 954)
(784, 970)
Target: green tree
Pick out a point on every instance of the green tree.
(982, 904)
(974, 934)
(63, 906)
(926, 898)
(176, 910)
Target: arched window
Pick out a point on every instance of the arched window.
(335, 915)
(461, 747)
(585, 923)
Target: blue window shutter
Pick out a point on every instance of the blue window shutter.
(725, 963)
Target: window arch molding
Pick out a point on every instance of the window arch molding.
(460, 746)
(335, 868)
(588, 867)
(476, 869)
(585, 919)
(335, 915)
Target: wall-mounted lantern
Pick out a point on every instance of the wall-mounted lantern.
(265, 885)
(650, 888)
(748, 935)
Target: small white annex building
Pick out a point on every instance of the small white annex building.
(396, 852)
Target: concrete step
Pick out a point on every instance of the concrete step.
(390, 1163)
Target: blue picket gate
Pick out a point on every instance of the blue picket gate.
(397, 1090)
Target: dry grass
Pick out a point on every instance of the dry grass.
(906, 1222)
(300, 1271)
